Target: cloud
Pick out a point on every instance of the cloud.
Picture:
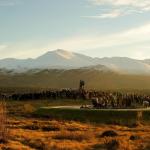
(112, 14)
(9, 2)
(130, 41)
(141, 4)
(125, 7)
(3, 47)
(133, 36)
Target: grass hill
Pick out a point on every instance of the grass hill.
(94, 79)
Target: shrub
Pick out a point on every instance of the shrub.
(147, 147)
(134, 137)
(28, 108)
(139, 118)
(31, 127)
(3, 123)
(109, 133)
(77, 136)
(38, 144)
(50, 128)
(112, 145)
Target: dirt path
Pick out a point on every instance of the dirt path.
(78, 107)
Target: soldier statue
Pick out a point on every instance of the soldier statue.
(82, 91)
(82, 84)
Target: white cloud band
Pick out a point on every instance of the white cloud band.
(125, 7)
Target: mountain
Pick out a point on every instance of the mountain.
(19, 64)
(101, 68)
(53, 59)
(62, 59)
(125, 65)
(147, 61)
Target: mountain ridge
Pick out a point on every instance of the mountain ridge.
(62, 59)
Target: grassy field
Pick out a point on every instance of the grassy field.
(42, 108)
(25, 107)
(27, 132)
(40, 134)
(120, 117)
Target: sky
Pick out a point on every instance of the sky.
(97, 28)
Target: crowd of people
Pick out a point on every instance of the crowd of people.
(119, 100)
(99, 99)
(49, 94)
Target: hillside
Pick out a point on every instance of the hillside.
(70, 79)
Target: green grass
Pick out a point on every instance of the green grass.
(86, 115)
(17, 108)
(146, 116)
(121, 117)
(50, 102)
(42, 107)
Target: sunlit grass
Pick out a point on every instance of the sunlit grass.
(27, 132)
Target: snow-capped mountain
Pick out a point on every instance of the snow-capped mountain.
(52, 59)
(125, 65)
(62, 59)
